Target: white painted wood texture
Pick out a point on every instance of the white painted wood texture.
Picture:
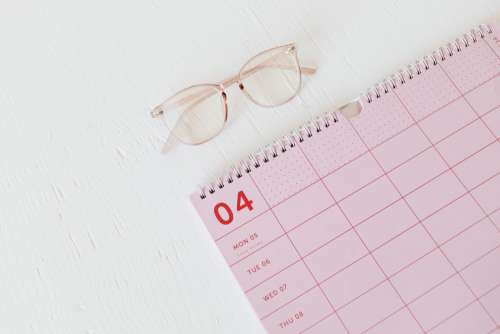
(96, 231)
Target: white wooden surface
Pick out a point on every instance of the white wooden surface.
(96, 231)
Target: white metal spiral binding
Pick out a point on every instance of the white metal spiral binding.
(272, 151)
(320, 123)
(424, 64)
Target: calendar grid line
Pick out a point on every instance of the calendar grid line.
(463, 185)
(391, 239)
(374, 286)
(420, 296)
(493, 330)
(377, 178)
(392, 227)
(410, 159)
(489, 47)
(427, 148)
(310, 271)
(384, 141)
(408, 206)
(487, 127)
(393, 313)
(455, 99)
(464, 308)
(461, 196)
(316, 323)
(378, 211)
(271, 276)
(383, 244)
(300, 256)
(360, 238)
(412, 262)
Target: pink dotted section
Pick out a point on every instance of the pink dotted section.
(381, 119)
(427, 92)
(475, 65)
(333, 147)
(384, 223)
(288, 174)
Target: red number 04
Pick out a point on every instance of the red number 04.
(223, 212)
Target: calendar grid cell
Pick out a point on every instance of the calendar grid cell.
(410, 197)
(302, 259)
(425, 218)
(468, 191)
(409, 264)
(385, 207)
(374, 180)
(364, 244)
(491, 48)
(429, 290)
(484, 123)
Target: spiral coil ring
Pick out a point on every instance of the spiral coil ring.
(271, 151)
(424, 64)
(283, 144)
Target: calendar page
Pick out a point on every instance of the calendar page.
(387, 222)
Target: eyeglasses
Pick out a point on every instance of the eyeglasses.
(198, 113)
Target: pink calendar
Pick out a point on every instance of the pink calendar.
(385, 222)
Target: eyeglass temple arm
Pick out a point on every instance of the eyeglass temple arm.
(202, 95)
(193, 98)
(234, 79)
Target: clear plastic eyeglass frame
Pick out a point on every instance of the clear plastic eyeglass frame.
(198, 113)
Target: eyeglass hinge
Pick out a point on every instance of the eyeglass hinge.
(291, 49)
(157, 111)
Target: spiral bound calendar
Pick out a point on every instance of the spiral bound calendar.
(386, 222)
